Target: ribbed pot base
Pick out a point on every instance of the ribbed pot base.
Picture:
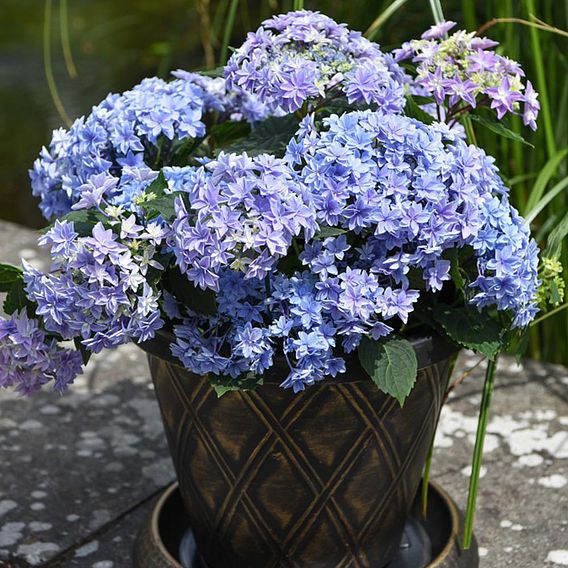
(165, 540)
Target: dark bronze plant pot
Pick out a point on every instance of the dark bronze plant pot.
(324, 478)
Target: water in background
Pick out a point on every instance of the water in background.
(114, 44)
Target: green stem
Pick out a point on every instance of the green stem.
(428, 465)
(51, 85)
(65, 41)
(478, 452)
(298, 4)
(437, 11)
(540, 67)
(383, 17)
(469, 130)
(228, 31)
(547, 315)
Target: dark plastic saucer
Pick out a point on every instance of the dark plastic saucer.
(166, 540)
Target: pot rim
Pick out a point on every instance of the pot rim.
(430, 350)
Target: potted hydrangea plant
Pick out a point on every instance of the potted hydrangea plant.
(301, 242)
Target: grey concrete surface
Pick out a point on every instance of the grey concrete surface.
(80, 472)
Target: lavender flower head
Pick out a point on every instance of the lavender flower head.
(29, 358)
(119, 139)
(304, 56)
(243, 213)
(462, 71)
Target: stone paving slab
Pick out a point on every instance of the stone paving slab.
(79, 471)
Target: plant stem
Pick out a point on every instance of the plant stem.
(65, 42)
(51, 85)
(547, 315)
(228, 31)
(478, 452)
(298, 4)
(383, 17)
(538, 24)
(469, 131)
(437, 12)
(428, 465)
(540, 67)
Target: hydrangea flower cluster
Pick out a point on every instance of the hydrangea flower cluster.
(118, 149)
(406, 193)
(410, 192)
(462, 71)
(29, 358)
(98, 289)
(367, 216)
(243, 214)
(117, 139)
(305, 55)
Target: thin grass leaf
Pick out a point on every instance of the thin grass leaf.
(383, 17)
(555, 191)
(48, 66)
(228, 31)
(558, 234)
(542, 83)
(543, 178)
(65, 41)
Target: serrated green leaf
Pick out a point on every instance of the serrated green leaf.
(471, 329)
(499, 128)
(223, 384)
(391, 364)
(522, 346)
(413, 110)
(555, 297)
(8, 275)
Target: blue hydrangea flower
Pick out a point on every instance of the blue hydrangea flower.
(306, 55)
(29, 358)
(243, 213)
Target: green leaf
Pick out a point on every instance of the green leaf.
(227, 132)
(545, 200)
(556, 238)
(9, 274)
(470, 328)
(158, 186)
(16, 299)
(391, 364)
(269, 136)
(522, 345)
(163, 206)
(223, 384)
(196, 299)
(499, 128)
(83, 221)
(289, 264)
(555, 296)
(413, 110)
(543, 178)
(85, 353)
(324, 232)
